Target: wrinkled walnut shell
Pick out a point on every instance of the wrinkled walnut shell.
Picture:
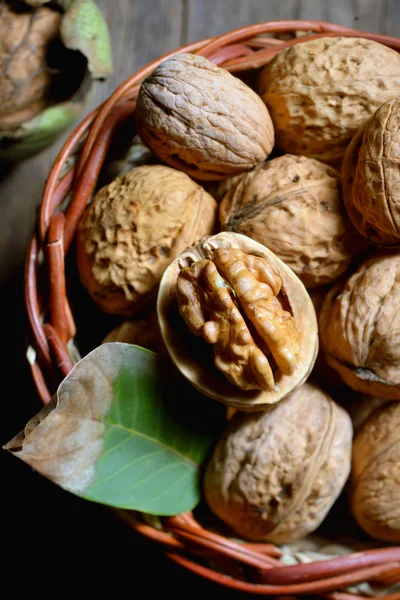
(275, 474)
(319, 92)
(194, 357)
(360, 327)
(375, 496)
(371, 175)
(292, 204)
(133, 229)
(202, 120)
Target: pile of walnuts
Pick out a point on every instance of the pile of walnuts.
(259, 251)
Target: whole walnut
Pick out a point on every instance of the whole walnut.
(25, 76)
(143, 332)
(375, 475)
(132, 230)
(360, 327)
(292, 204)
(202, 120)
(319, 92)
(237, 322)
(275, 474)
(371, 176)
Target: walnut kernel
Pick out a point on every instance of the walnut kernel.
(231, 293)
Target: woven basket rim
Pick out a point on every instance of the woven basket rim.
(52, 325)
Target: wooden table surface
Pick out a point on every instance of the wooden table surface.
(53, 539)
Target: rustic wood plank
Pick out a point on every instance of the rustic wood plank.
(391, 19)
(210, 18)
(340, 12)
(365, 15)
(368, 15)
(312, 9)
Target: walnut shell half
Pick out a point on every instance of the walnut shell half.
(232, 293)
(371, 176)
(360, 327)
(202, 120)
(375, 496)
(275, 474)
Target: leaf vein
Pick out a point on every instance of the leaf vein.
(146, 479)
(183, 457)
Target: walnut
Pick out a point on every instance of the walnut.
(143, 332)
(360, 327)
(321, 91)
(292, 205)
(230, 292)
(275, 474)
(371, 175)
(375, 477)
(133, 229)
(202, 120)
(25, 77)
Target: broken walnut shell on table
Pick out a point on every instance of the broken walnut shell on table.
(275, 474)
(237, 322)
(199, 118)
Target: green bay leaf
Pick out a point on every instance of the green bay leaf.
(126, 430)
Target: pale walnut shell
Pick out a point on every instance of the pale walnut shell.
(292, 204)
(25, 78)
(275, 474)
(375, 480)
(194, 357)
(202, 120)
(360, 327)
(143, 332)
(133, 229)
(371, 177)
(319, 92)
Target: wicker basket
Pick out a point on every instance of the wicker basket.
(253, 568)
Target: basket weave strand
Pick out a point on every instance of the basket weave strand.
(252, 568)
